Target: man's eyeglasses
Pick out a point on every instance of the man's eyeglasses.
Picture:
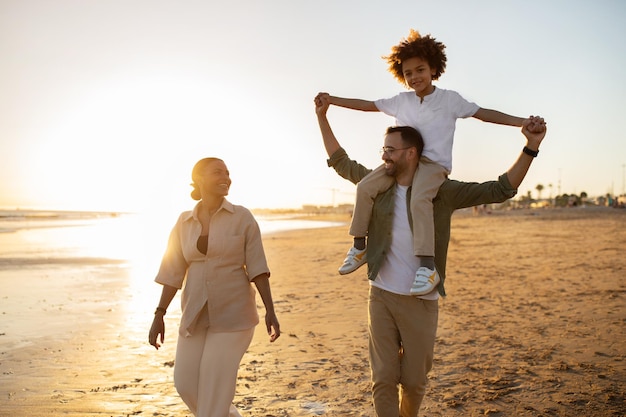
(390, 149)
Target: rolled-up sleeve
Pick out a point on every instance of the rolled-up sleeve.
(457, 195)
(347, 168)
(255, 262)
(173, 265)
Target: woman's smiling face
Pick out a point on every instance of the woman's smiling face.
(215, 180)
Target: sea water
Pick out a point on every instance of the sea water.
(33, 238)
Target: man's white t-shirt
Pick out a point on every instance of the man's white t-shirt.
(397, 271)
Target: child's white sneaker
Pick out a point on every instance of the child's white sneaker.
(354, 260)
(425, 281)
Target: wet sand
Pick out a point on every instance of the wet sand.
(534, 325)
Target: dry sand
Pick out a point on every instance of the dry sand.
(534, 325)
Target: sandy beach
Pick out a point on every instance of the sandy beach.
(534, 324)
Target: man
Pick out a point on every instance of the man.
(402, 327)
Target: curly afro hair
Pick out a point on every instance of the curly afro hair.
(417, 46)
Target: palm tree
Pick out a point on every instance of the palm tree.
(551, 200)
(539, 188)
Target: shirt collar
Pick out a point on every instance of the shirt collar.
(226, 205)
(432, 95)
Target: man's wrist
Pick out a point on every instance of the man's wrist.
(160, 310)
(530, 152)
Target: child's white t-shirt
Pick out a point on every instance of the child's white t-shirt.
(435, 118)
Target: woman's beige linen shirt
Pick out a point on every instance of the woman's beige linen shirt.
(221, 278)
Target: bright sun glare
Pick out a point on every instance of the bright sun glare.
(123, 142)
(139, 241)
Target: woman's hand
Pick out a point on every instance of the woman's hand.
(272, 325)
(157, 328)
(262, 283)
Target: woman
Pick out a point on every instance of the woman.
(216, 251)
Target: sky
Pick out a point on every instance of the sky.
(107, 104)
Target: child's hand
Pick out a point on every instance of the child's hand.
(534, 128)
(325, 96)
(536, 124)
(321, 103)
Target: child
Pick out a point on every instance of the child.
(416, 62)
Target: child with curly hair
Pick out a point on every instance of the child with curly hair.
(416, 62)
